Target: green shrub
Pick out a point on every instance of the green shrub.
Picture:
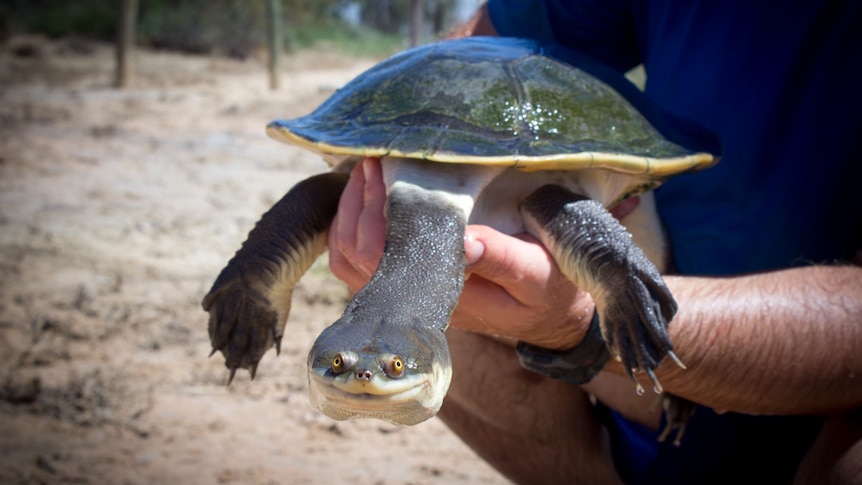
(231, 27)
(58, 18)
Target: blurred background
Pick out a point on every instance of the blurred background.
(237, 28)
(125, 190)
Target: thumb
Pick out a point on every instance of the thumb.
(505, 259)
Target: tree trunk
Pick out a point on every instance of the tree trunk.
(125, 42)
(276, 38)
(416, 12)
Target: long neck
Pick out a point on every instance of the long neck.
(421, 273)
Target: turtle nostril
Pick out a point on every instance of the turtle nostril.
(364, 375)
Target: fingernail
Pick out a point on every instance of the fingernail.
(366, 168)
(473, 249)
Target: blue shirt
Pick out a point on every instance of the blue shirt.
(780, 83)
(777, 82)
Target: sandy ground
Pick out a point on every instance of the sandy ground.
(117, 210)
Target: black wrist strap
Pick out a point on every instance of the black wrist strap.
(576, 366)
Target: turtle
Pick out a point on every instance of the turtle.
(507, 132)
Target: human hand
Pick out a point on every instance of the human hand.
(515, 289)
(478, 24)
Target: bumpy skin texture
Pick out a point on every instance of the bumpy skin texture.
(598, 254)
(405, 308)
(421, 273)
(247, 316)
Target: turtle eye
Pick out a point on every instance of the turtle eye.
(394, 367)
(342, 362)
(337, 364)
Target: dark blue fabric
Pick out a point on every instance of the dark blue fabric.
(716, 449)
(778, 82)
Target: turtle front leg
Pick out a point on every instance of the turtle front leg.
(250, 300)
(597, 253)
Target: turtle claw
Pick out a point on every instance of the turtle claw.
(639, 388)
(252, 369)
(656, 385)
(676, 360)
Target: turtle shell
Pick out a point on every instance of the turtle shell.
(503, 102)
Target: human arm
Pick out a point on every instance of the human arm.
(783, 342)
(778, 342)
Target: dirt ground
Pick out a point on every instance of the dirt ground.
(117, 210)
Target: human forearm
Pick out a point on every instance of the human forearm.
(779, 342)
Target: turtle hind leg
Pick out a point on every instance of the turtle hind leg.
(596, 252)
(678, 412)
(250, 300)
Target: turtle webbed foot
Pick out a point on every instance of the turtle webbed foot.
(635, 315)
(242, 323)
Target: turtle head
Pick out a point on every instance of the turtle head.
(379, 369)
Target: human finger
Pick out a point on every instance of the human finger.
(371, 224)
(516, 290)
(344, 231)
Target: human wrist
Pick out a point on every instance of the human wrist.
(571, 329)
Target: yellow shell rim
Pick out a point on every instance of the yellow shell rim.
(617, 162)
